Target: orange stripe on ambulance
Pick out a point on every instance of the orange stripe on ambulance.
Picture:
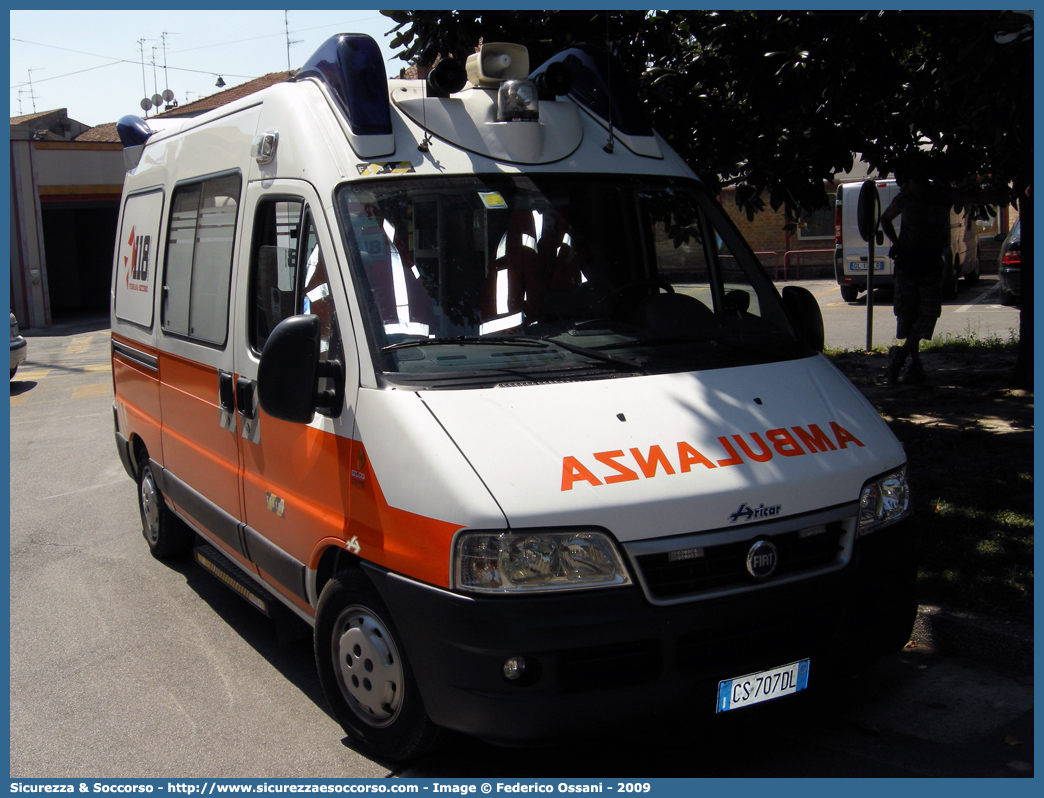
(780, 441)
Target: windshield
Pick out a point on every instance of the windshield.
(484, 279)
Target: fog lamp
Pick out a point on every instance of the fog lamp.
(514, 668)
(517, 101)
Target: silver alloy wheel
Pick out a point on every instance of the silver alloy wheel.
(150, 507)
(367, 665)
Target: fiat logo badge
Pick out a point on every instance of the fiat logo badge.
(761, 559)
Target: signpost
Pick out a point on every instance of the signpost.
(869, 214)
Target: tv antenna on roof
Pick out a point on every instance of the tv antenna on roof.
(32, 92)
(286, 25)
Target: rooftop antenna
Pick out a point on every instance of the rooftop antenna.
(32, 92)
(156, 98)
(141, 47)
(168, 95)
(147, 103)
(286, 25)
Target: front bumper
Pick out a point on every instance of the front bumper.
(608, 656)
(1010, 279)
(859, 280)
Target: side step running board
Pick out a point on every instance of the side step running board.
(227, 573)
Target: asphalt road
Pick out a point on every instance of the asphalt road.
(122, 666)
(975, 312)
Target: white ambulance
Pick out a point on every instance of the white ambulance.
(851, 253)
(474, 376)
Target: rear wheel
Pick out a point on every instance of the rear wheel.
(365, 674)
(849, 293)
(972, 277)
(166, 534)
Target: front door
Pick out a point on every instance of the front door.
(295, 488)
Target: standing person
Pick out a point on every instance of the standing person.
(918, 252)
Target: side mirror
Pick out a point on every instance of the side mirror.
(737, 301)
(289, 373)
(804, 314)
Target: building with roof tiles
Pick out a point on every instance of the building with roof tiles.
(66, 182)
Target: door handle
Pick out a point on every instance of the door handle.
(245, 397)
(226, 391)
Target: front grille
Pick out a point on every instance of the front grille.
(723, 567)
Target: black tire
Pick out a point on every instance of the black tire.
(166, 534)
(849, 293)
(365, 673)
(1008, 298)
(972, 277)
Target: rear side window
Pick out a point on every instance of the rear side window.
(198, 272)
(136, 250)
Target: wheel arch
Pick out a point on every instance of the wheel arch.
(333, 561)
(140, 452)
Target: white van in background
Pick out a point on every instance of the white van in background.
(851, 253)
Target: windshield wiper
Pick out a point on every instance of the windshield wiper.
(534, 343)
(469, 340)
(604, 357)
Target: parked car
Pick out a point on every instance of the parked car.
(18, 346)
(1009, 266)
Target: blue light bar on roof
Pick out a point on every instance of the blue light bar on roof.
(350, 65)
(592, 72)
(133, 130)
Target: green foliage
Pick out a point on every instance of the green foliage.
(775, 102)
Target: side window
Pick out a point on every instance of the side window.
(199, 258)
(288, 273)
(135, 277)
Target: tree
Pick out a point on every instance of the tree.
(775, 103)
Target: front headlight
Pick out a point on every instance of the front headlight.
(884, 500)
(492, 562)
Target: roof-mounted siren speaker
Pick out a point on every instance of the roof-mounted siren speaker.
(133, 132)
(496, 62)
(351, 68)
(447, 77)
(554, 81)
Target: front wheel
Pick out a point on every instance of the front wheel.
(365, 674)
